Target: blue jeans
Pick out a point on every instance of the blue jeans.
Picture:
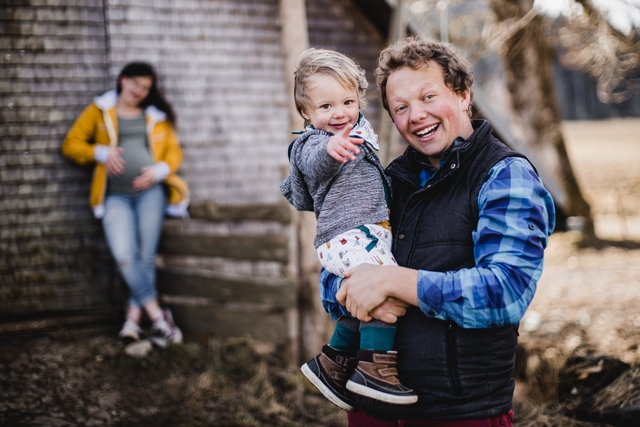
(132, 225)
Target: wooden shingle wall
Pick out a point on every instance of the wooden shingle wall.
(222, 68)
(221, 65)
(52, 62)
(231, 268)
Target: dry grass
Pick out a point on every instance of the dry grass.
(587, 299)
(86, 379)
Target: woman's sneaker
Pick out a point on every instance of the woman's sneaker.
(329, 372)
(130, 332)
(164, 331)
(376, 376)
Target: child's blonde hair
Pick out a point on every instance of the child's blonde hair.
(330, 63)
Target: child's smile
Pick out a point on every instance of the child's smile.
(333, 107)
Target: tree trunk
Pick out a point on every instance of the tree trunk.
(528, 63)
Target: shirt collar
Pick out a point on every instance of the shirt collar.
(362, 129)
(423, 168)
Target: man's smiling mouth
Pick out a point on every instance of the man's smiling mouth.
(427, 131)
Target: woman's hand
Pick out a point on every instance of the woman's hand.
(115, 163)
(144, 180)
(343, 148)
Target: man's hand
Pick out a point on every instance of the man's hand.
(115, 163)
(368, 287)
(343, 148)
(144, 180)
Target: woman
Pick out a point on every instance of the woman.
(128, 133)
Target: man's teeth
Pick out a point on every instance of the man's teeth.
(425, 131)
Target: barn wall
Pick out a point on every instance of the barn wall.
(53, 60)
(220, 63)
(221, 67)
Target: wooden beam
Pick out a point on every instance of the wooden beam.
(208, 210)
(64, 319)
(295, 40)
(225, 322)
(271, 247)
(225, 288)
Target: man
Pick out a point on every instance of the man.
(471, 219)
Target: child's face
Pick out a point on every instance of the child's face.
(333, 107)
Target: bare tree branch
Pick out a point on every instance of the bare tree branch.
(588, 42)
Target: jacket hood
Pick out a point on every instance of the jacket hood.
(108, 100)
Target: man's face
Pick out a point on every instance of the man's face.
(426, 112)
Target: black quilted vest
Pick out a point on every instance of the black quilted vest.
(457, 373)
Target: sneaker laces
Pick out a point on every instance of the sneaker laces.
(161, 326)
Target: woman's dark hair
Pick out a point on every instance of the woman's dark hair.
(155, 96)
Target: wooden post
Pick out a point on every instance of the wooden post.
(295, 40)
(388, 136)
(310, 324)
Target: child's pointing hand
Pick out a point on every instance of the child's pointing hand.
(342, 147)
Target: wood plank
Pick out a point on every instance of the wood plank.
(61, 320)
(236, 213)
(226, 322)
(225, 288)
(272, 247)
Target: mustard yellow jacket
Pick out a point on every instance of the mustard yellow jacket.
(97, 126)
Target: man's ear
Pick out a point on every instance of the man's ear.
(466, 98)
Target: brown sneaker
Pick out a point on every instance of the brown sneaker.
(329, 372)
(376, 377)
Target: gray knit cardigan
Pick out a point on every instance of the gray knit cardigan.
(342, 195)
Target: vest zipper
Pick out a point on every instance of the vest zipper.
(452, 359)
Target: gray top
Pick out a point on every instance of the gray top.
(132, 137)
(342, 195)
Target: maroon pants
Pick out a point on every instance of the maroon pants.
(358, 418)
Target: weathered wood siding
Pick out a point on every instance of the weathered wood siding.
(53, 60)
(225, 272)
(233, 267)
(221, 67)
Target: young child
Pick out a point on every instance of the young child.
(348, 192)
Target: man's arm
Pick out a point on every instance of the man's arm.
(516, 217)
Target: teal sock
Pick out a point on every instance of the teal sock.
(345, 339)
(377, 337)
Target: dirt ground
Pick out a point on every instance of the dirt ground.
(597, 289)
(587, 303)
(588, 297)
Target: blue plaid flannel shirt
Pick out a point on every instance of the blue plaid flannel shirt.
(516, 217)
